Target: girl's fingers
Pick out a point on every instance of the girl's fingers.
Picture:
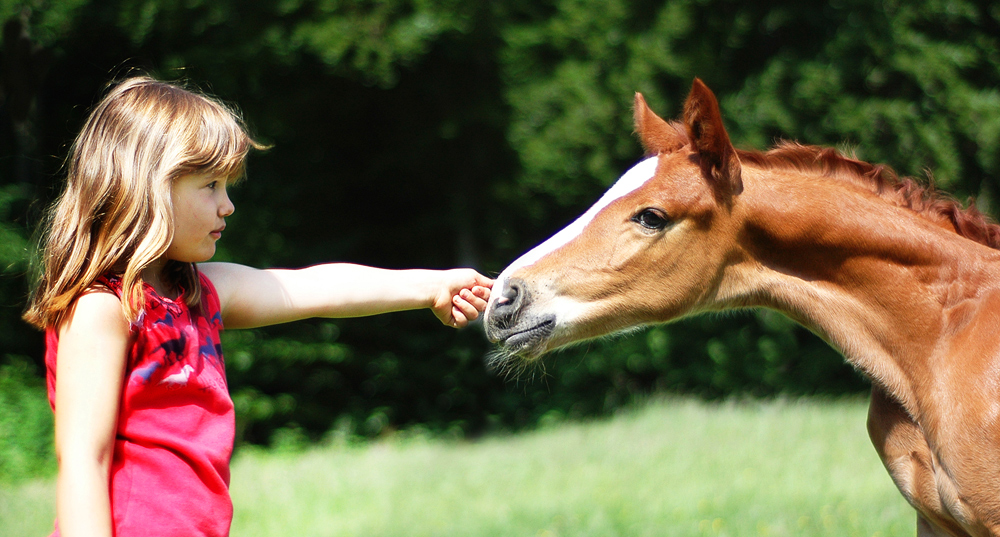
(482, 281)
(458, 318)
(471, 297)
(482, 292)
(464, 311)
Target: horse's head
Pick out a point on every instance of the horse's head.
(655, 247)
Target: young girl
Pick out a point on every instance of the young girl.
(144, 422)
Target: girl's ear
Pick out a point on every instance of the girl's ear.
(719, 161)
(657, 135)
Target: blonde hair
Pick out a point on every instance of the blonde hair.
(115, 214)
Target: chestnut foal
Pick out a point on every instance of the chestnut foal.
(906, 284)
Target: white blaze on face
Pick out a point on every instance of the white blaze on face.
(632, 180)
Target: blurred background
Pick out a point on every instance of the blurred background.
(423, 133)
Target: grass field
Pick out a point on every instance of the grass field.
(673, 467)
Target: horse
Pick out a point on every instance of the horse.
(897, 276)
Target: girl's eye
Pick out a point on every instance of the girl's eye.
(213, 184)
(651, 219)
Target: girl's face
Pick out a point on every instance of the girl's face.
(201, 206)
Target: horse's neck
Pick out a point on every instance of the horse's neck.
(883, 285)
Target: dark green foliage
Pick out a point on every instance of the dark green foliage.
(440, 133)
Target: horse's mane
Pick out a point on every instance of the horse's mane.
(906, 192)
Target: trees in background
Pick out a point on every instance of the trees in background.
(442, 133)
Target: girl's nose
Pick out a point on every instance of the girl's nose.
(226, 208)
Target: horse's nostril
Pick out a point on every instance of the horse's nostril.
(509, 304)
(511, 292)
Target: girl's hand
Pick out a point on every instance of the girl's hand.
(464, 294)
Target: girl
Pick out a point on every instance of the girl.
(144, 422)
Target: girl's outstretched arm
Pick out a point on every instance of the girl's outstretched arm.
(252, 297)
(90, 366)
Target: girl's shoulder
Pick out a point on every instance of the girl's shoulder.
(97, 308)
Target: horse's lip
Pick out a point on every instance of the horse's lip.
(524, 340)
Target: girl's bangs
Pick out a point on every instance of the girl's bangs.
(220, 147)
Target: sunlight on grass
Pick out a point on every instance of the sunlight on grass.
(671, 468)
(28, 508)
(674, 467)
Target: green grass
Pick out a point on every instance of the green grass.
(673, 467)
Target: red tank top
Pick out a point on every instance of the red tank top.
(170, 470)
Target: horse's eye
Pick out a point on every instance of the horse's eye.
(651, 219)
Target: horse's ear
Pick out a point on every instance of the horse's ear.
(657, 135)
(704, 126)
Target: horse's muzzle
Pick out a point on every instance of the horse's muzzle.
(510, 323)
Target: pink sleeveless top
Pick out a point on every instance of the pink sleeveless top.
(170, 470)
